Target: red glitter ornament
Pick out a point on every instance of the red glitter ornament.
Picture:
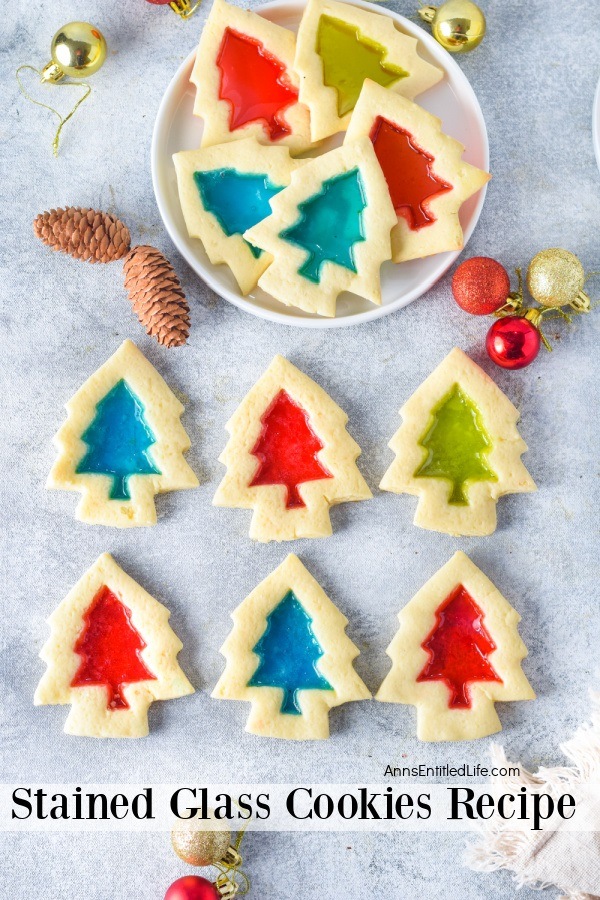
(192, 887)
(480, 285)
(513, 342)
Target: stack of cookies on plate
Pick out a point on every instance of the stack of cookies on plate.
(273, 195)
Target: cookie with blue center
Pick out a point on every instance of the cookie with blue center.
(226, 189)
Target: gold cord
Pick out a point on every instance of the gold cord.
(233, 871)
(63, 120)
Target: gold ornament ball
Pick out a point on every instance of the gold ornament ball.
(78, 50)
(199, 848)
(458, 25)
(555, 277)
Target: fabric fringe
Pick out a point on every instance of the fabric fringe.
(500, 845)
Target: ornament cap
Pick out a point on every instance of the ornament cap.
(184, 8)
(581, 303)
(52, 72)
(427, 13)
(231, 858)
(226, 889)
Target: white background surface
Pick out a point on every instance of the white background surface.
(535, 77)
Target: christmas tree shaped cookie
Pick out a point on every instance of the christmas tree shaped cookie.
(329, 231)
(458, 449)
(122, 443)
(289, 457)
(110, 654)
(427, 178)
(289, 656)
(245, 81)
(457, 652)
(340, 45)
(226, 189)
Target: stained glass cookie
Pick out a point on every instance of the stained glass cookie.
(456, 654)
(111, 653)
(458, 449)
(338, 46)
(427, 178)
(289, 457)
(329, 231)
(246, 85)
(226, 189)
(122, 443)
(289, 656)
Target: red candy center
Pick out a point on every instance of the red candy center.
(110, 649)
(287, 449)
(254, 83)
(408, 172)
(458, 648)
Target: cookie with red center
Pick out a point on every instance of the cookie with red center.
(110, 654)
(246, 84)
(289, 457)
(427, 178)
(456, 654)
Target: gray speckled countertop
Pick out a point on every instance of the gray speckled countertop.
(535, 77)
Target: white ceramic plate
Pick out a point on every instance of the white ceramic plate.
(176, 128)
(596, 124)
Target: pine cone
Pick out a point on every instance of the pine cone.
(156, 296)
(84, 233)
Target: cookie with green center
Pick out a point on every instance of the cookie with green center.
(456, 654)
(458, 449)
(122, 443)
(427, 178)
(289, 656)
(329, 231)
(246, 85)
(338, 46)
(225, 190)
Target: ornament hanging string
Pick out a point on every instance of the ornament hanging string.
(230, 866)
(62, 119)
(538, 314)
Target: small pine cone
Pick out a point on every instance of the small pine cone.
(156, 296)
(84, 233)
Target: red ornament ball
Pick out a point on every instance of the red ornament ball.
(159, 2)
(480, 285)
(192, 887)
(513, 342)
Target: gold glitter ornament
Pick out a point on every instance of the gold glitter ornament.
(556, 278)
(201, 848)
(458, 25)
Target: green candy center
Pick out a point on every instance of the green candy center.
(456, 445)
(348, 58)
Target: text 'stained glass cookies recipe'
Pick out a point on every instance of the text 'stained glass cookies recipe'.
(305, 231)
